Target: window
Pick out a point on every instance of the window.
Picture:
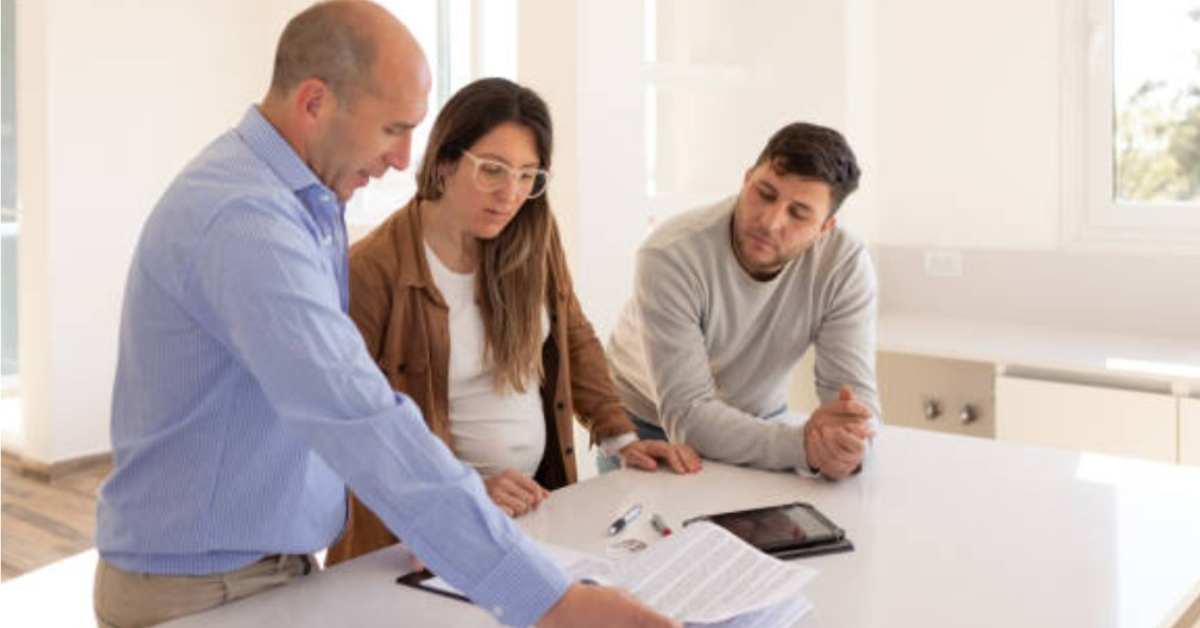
(463, 40)
(1140, 160)
(1156, 102)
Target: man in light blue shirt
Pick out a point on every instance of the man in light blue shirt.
(245, 401)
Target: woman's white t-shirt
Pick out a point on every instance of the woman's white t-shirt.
(492, 431)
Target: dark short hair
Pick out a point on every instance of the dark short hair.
(331, 41)
(814, 152)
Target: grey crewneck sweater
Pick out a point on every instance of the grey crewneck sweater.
(706, 351)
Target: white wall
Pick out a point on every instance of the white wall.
(612, 205)
(788, 61)
(953, 108)
(114, 98)
(968, 107)
(544, 26)
(728, 74)
(976, 154)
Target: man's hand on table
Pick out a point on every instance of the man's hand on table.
(836, 434)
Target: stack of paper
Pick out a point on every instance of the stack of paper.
(706, 576)
(703, 576)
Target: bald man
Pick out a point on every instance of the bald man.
(245, 400)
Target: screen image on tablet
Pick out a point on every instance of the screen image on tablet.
(786, 530)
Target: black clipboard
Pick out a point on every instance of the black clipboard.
(795, 530)
(418, 580)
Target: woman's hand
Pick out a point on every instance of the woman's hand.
(646, 454)
(514, 493)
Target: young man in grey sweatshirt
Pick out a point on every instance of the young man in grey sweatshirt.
(728, 298)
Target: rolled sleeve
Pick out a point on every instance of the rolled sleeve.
(690, 408)
(613, 446)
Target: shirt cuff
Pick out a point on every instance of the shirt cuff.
(523, 587)
(613, 445)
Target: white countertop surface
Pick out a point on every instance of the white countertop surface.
(1146, 357)
(949, 531)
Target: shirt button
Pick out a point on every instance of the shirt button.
(498, 611)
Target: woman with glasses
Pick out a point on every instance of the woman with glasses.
(464, 299)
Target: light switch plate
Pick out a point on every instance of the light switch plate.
(943, 263)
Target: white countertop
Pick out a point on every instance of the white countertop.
(1147, 358)
(949, 531)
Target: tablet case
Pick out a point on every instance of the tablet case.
(417, 580)
(842, 544)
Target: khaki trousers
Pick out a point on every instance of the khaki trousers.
(131, 600)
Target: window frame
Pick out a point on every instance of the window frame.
(1093, 219)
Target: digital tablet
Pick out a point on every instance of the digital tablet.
(786, 531)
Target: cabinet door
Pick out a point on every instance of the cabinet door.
(1086, 418)
(1189, 432)
(909, 384)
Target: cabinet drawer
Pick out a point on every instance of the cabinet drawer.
(1087, 418)
(909, 383)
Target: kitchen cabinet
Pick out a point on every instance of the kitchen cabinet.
(1189, 433)
(1089, 418)
(1128, 395)
(944, 395)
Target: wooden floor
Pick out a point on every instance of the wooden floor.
(42, 522)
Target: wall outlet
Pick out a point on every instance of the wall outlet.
(943, 263)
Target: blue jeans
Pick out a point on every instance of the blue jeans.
(645, 431)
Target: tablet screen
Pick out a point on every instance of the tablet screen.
(779, 527)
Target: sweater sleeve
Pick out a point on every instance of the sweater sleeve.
(671, 301)
(846, 335)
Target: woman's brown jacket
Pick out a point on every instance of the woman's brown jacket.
(405, 323)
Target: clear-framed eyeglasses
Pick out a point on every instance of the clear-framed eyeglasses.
(491, 175)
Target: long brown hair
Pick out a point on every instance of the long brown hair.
(510, 281)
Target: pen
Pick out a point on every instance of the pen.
(625, 520)
(660, 526)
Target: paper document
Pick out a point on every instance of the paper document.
(784, 615)
(702, 576)
(705, 575)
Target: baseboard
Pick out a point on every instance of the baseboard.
(47, 472)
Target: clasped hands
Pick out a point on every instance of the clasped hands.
(835, 437)
(517, 494)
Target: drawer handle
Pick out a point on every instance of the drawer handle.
(933, 408)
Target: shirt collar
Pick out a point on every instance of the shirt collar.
(266, 142)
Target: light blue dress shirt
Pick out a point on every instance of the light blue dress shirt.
(244, 397)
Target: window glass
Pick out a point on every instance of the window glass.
(1156, 101)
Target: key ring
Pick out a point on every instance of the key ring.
(625, 547)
